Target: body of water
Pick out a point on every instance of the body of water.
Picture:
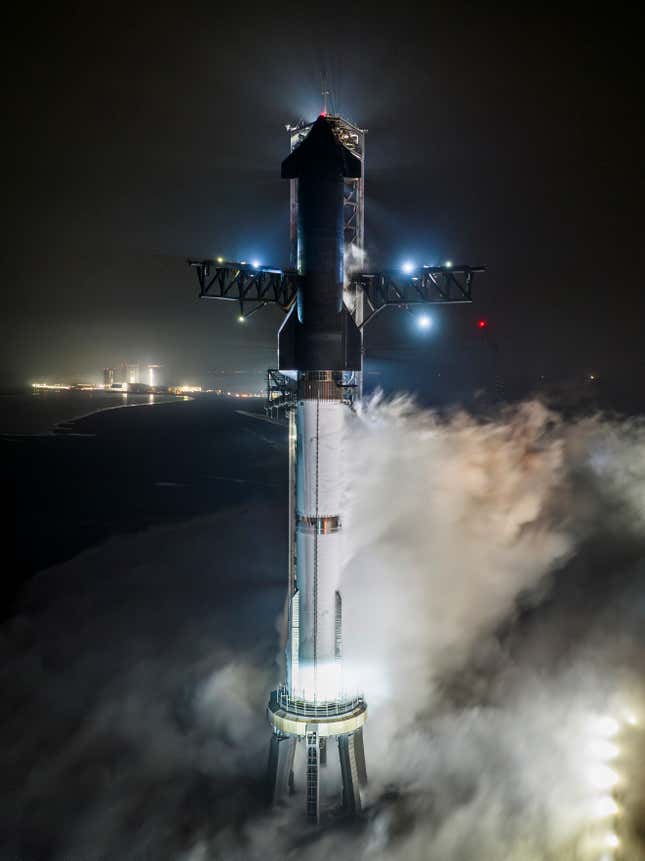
(73, 482)
(41, 411)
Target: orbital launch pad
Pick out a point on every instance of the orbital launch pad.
(320, 354)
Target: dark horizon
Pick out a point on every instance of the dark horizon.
(139, 139)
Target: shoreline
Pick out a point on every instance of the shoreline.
(48, 415)
(167, 399)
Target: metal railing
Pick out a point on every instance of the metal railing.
(312, 708)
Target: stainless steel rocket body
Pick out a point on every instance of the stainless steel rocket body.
(314, 653)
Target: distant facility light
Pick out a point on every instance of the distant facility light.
(243, 262)
(448, 264)
(241, 319)
(255, 264)
(54, 386)
(408, 267)
(425, 321)
(220, 259)
(481, 324)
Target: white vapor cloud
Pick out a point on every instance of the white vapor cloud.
(493, 600)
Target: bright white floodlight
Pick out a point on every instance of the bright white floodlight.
(408, 267)
(255, 264)
(448, 264)
(425, 322)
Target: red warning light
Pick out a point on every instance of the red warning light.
(482, 324)
(323, 113)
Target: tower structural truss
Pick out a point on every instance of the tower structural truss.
(320, 358)
(353, 138)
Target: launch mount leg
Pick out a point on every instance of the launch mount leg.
(353, 770)
(280, 771)
(313, 776)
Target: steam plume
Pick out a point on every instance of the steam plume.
(494, 607)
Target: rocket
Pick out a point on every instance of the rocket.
(320, 346)
(320, 341)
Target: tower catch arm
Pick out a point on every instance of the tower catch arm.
(257, 287)
(432, 285)
(245, 284)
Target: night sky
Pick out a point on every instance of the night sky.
(140, 135)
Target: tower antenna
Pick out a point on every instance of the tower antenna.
(324, 93)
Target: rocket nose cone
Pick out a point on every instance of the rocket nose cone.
(321, 154)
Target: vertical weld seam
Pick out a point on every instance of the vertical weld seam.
(316, 552)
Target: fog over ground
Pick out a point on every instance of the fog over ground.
(494, 606)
